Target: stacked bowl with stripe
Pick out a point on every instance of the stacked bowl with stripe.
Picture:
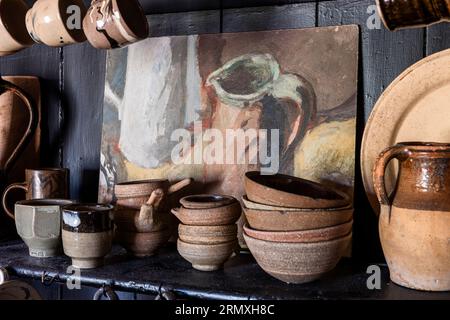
(208, 230)
(297, 229)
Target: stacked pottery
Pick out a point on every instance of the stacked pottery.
(141, 217)
(208, 230)
(297, 230)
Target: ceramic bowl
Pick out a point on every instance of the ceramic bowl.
(314, 235)
(143, 244)
(298, 262)
(207, 257)
(223, 215)
(291, 192)
(206, 201)
(288, 219)
(207, 234)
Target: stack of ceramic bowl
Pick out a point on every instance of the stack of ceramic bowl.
(297, 230)
(208, 230)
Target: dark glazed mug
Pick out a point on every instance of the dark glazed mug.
(47, 183)
(400, 14)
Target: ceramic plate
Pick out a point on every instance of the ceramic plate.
(415, 107)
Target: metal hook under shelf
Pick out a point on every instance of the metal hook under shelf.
(105, 291)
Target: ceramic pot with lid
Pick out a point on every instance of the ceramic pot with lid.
(414, 222)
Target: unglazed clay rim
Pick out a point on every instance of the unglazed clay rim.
(96, 208)
(341, 196)
(208, 231)
(300, 234)
(139, 188)
(300, 245)
(368, 142)
(223, 246)
(269, 208)
(224, 200)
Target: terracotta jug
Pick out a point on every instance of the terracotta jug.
(10, 153)
(400, 14)
(414, 223)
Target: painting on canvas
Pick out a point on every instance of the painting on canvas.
(213, 106)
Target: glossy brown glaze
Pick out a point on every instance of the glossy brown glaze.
(415, 225)
(115, 23)
(47, 183)
(13, 32)
(398, 14)
(293, 192)
(424, 176)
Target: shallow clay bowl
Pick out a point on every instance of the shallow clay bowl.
(292, 192)
(143, 244)
(314, 235)
(206, 201)
(207, 257)
(298, 262)
(223, 215)
(207, 234)
(296, 220)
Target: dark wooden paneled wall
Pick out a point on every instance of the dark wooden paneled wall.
(73, 78)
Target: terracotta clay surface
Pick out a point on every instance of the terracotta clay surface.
(415, 104)
(295, 219)
(207, 257)
(49, 22)
(143, 244)
(206, 201)
(293, 192)
(224, 215)
(399, 14)
(315, 235)
(207, 234)
(115, 23)
(297, 262)
(415, 228)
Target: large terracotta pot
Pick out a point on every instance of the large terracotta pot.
(415, 226)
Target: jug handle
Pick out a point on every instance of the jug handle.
(23, 186)
(395, 152)
(6, 86)
(179, 185)
(299, 90)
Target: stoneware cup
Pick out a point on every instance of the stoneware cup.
(47, 183)
(56, 23)
(115, 23)
(13, 32)
(38, 223)
(87, 232)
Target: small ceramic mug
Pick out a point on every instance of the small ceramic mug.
(87, 232)
(47, 183)
(56, 23)
(13, 32)
(38, 223)
(115, 23)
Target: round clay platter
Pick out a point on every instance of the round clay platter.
(415, 107)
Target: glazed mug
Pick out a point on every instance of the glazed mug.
(414, 222)
(115, 23)
(54, 22)
(38, 223)
(13, 32)
(47, 183)
(87, 233)
(400, 14)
